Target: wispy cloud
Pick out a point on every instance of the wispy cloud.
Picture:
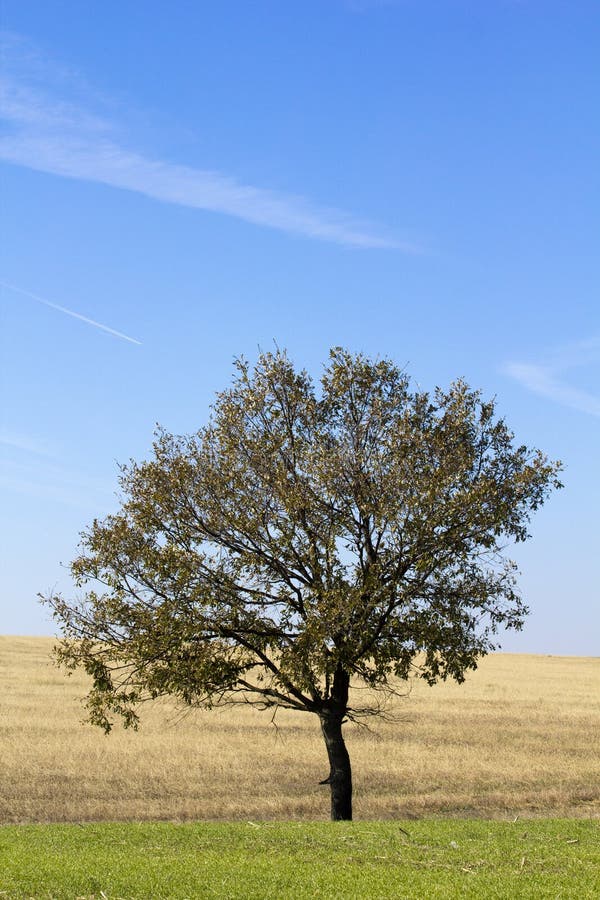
(50, 134)
(55, 483)
(32, 466)
(26, 443)
(549, 380)
(69, 312)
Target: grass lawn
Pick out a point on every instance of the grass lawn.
(425, 859)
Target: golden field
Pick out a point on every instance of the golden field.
(520, 738)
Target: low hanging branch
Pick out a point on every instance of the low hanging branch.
(303, 539)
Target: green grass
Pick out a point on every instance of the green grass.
(417, 859)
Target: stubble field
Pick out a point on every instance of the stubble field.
(520, 738)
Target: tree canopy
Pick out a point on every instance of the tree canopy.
(305, 539)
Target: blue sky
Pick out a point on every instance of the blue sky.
(185, 182)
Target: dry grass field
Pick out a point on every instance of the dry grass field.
(520, 737)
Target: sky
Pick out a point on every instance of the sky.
(184, 183)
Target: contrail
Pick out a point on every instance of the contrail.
(69, 312)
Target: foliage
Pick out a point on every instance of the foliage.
(304, 538)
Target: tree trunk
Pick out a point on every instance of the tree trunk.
(340, 773)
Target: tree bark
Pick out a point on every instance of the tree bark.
(340, 772)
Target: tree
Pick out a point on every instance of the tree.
(304, 541)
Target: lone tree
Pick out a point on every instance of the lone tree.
(305, 539)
